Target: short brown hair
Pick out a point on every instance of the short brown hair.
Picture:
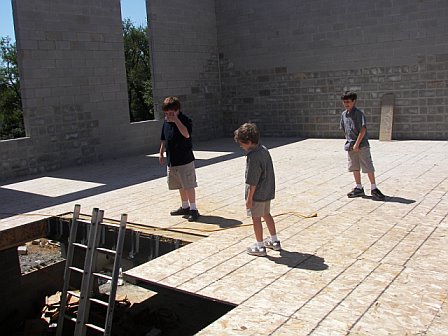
(349, 95)
(171, 103)
(246, 133)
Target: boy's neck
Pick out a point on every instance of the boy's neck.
(253, 146)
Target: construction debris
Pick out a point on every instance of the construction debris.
(22, 250)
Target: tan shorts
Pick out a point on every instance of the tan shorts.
(182, 177)
(360, 159)
(259, 209)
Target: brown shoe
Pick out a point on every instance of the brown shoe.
(356, 192)
(180, 212)
(377, 195)
(194, 215)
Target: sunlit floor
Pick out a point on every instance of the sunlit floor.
(361, 266)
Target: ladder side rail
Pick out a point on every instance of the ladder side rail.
(67, 271)
(115, 274)
(92, 268)
(82, 316)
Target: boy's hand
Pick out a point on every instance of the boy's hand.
(161, 160)
(171, 116)
(249, 204)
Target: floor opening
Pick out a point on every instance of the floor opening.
(139, 310)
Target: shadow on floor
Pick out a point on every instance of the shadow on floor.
(299, 260)
(218, 220)
(111, 175)
(392, 199)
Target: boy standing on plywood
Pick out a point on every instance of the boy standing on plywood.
(260, 188)
(181, 173)
(353, 123)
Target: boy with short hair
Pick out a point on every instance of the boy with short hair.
(176, 141)
(353, 123)
(260, 188)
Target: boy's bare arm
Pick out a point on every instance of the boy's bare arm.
(359, 138)
(161, 151)
(181, 127)
(173, 117)
(250, 196)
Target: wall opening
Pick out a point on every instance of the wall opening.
(11, 115)
(137, 59)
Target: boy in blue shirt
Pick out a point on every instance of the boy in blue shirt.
(181, 173)
(353, 123)
(260, 188)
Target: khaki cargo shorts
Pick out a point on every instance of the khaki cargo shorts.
(182, 177)
(360, 160)
(259, 209)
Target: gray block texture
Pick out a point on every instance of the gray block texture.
(185, 61)
(285, 65)
(74, 90)
(281, 64)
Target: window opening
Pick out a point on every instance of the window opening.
(11, 115)
(137, 59)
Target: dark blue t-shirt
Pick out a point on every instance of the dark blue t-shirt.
(179, 150)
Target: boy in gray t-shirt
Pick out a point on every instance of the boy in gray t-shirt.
(353, 123)
(260, 188)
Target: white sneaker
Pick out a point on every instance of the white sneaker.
(276, 246)
(256, 251)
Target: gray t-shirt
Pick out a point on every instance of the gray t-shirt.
(351, 123)
(260, 173)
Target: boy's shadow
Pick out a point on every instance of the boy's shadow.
(393, 199)
(299, 260)
(218, 220)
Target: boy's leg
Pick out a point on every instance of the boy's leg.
(258, 248)
(270, 224)
(194, 213)
(377, 195)
(271, 242)
(367, 166)
(371, 176)
(190, 195)
(184, 210)
(354, 166)
(358, 191)
(258, 228)
(357, 177)
(183, 195)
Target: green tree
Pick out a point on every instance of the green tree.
(11, 117)
(138, 71)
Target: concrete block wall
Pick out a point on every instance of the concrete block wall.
(74, 91)
(185, 61)
(284, 66)
(281, 64)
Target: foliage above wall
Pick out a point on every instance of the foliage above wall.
(138, 73)
(11, 118)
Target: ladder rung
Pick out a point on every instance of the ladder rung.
(74, 294)
(80, 245)
(104, 276)
(73, 319)
(101, 302)
(95, 327)
(76, 269)
(105, 250)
